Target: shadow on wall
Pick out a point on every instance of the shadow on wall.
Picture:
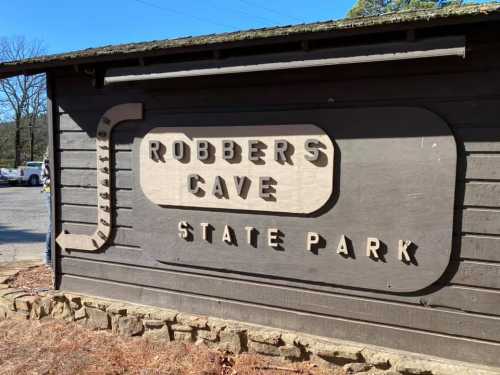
(8, 235)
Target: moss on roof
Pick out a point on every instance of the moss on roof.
(256, 34)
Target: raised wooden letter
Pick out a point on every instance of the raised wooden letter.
(178, 150)
(227, 235)
(342, 246)
(403, 251)
(192, 183)
(227, 150)
(311, 146)
(280, 148)
(264, 186)
(183, 227)
(239, 182)
(204, 230)
(249, 234)
(312, 239)
(272, 237)
(253, 151)
(218, 189)
(372, 245)
(154, 148)
(202, 150)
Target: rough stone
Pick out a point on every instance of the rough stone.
(181, 328)
(379, 359)
(96, 318)
(117, 308)
(290, 352)
(265, 336)
(216, 324)
(162, 334)
(7, 304)
(153, 323)
(81, 313)
(265, 349)
(41, 309)
(338, 353)
(207, 335)
(230, 341)
(194, 321)
(142, 312)
(14, 295)
(7, 291)
(290, 338)
(62, 311)
(4, 286)
(164, 314)
(413, 367)
(96, 303)
(75, 301)
(114, 323)
(4, 313)
(183, 336)
(355, 368)
(25, 303)
(130, 326)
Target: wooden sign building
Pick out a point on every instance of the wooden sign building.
(339, 178)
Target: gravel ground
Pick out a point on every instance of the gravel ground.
(23, 223)
(33, 279)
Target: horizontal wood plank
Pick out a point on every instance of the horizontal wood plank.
(88, 178)
(483, 167)
(88, 215)
(88, 196)
(470, 273)
(469, 299)
(476, 247)
(481, 221)
(85, 142)
(87, 159)
(486, 194)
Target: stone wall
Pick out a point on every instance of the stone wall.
(230, 336)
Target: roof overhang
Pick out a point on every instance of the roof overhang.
(454, 46)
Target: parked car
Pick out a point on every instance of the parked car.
(3, 176)
(30, 173)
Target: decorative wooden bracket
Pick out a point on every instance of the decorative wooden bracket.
(112, 117)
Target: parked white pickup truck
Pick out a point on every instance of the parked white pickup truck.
(27, 174)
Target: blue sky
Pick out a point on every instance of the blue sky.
(66, 25)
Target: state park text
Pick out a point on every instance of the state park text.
(274, 239)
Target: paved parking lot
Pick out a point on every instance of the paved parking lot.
(23, 223)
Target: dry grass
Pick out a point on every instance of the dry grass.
(56, 347)
(33, 279)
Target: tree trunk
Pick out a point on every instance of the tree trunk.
(32, 139)
(17, 143)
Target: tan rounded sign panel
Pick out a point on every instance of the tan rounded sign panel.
(269, 168)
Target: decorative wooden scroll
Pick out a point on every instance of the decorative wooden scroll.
(112, 117)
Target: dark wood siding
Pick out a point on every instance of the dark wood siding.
(458, 317)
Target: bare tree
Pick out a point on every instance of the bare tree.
(22, 98)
